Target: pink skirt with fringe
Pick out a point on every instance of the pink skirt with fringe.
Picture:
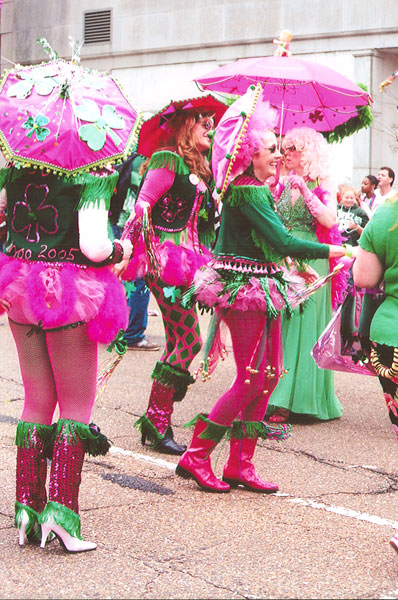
(212, 291)
(55, 295)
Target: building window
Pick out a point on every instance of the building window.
(97, 26)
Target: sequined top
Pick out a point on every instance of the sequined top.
(295, 216)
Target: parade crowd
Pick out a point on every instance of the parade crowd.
(212, 210)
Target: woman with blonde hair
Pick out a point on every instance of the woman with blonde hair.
(307, 206)
(175, 195)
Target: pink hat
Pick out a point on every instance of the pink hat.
(239, 135)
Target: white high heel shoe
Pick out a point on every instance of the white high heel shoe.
(68, 542)
(26, 523)
(394, 542)
(22, 528)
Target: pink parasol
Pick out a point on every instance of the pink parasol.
(155, 131)
(63, 117)
(305, 93)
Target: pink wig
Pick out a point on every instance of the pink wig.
(314, 150)
(262, 120)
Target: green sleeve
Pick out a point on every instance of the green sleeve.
(268, 225)
(366, 239)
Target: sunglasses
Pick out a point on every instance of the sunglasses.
(209, 124)
(289, 149)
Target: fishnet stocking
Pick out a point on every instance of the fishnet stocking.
(56, 366)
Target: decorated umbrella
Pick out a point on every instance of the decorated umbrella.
(305, 93)
(155, 130)
(64, 117)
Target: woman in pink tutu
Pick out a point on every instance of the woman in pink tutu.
(249, 283)
(62, 299)
(176, 197)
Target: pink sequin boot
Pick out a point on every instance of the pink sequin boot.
(33, 442)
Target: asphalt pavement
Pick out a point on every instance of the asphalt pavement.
(325, 534)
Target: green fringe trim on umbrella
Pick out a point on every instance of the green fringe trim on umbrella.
(173, 377)
(363, 120)
(46, 433)
(213, 431)
(63, 516)
(33, 516)
(164, 159)
(143, 424)
(95, 442)
(95, 189)
(261, 429)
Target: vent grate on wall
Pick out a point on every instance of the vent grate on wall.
(97, 26)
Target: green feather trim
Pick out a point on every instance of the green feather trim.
(146, 426)
(173, 377)
(363, 120)
(213, 431)
(261, 429)
(63, 516)
(95, 189)
(282, 289)
(207, 237)
(33, 516)
(95, 442)
(164, 159)
(241, 195)
(45, 433)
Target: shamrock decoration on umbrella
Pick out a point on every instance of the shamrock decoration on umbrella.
(95, 134)
(37, 125)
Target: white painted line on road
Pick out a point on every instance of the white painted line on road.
(340, 510)
(346, 512)
(155, 461)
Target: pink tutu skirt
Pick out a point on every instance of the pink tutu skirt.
(56, 295)
(261, 287)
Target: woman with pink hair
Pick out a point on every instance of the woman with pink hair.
(307, 206)
(249, 286)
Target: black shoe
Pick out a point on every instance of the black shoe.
(167, 445)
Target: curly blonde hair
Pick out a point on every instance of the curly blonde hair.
(315, 154)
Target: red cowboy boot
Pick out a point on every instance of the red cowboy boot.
(195, 462)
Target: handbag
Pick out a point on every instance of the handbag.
(344, 345)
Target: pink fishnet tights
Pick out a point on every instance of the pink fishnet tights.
(57, 367)
(248, 402)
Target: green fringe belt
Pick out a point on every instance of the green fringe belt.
(63, 516)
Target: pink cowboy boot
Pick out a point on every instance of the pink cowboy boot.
(239, 469)
(195, 462)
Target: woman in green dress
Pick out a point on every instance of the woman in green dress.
(307, 206)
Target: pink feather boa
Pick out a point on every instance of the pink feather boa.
(332, 236)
